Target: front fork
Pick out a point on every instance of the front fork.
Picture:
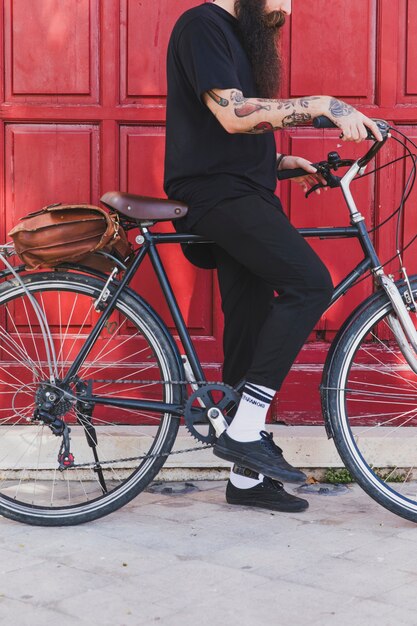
(400, 322)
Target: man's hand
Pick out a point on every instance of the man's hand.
(310, 179)
(353, 124)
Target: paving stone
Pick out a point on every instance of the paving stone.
(389, 552)
(363, 580)
(131, 603)
(403, 597)
(359, 611)
(12, 560)
(178, 560)
(26, 614)
(47, 582)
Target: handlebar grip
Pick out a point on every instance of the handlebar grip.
(286, 174)
(323, 122)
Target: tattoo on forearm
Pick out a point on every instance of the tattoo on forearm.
(244, 107)
(296, 118)
(305, 102)
(218, 99)
(263, 127)
(249, 108)
(237, 98)
(339, 109)
(290, 104)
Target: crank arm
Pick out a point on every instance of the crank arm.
(217, 420)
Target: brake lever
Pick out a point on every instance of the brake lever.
(314, 188)
(324, 169)
(332, 180)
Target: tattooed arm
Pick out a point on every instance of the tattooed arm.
(238, 114)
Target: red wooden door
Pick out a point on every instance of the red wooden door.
(83, 107)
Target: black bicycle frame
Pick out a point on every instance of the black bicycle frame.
(151, 240)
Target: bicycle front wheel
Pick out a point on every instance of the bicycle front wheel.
(370, 397)
(132, 347)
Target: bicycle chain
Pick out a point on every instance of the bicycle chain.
(164, 382)
(138, 458)
(161, 454)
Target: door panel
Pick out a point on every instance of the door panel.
(333, 48)
(51, 50)
(48, 163)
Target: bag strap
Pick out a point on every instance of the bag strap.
(112, 220)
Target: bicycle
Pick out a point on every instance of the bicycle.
(94, 385)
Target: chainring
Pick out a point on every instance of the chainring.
(196, 415)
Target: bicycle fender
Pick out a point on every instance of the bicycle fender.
(6, 274)
(378, 295)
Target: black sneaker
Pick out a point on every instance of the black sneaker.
(262, 456)
(269, 494)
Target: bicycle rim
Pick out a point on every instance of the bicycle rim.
(372, 395)
(131, 347)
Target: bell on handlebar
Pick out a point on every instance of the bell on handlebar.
(333, 158)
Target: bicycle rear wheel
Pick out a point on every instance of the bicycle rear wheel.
(370, 397)
(133, 346)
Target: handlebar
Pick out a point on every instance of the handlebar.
(324, 122)
(324, 167)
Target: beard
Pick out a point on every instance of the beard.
(259, 33)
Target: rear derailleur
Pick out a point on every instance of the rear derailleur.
(51, 405)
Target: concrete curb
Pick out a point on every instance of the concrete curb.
(306, 447)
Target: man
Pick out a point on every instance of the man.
(223, 77)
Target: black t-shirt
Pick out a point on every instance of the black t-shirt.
(205, 164)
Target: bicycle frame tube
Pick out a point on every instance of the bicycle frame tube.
(369, 261)
(78, 361)
(173, 307)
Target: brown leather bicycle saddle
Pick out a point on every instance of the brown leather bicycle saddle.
(143, 207)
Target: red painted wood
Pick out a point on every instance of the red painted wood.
(56, 162)
(82, 111)
(146, 27)
(410, 214)
(52, 50)
(407, 77)
(387, 55)
(333, 48)
(411, 65)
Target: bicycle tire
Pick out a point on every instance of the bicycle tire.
(365, 372)
(133, 344)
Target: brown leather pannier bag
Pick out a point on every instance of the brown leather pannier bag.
(62, 233)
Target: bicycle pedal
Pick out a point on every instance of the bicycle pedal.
(65, 461)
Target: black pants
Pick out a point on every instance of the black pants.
(258, 252)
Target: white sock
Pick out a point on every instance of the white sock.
(244, 478)
(251, 413)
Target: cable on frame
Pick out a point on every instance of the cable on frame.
(409, 185)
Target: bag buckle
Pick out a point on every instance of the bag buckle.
(116, 221)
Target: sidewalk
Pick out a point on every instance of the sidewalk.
(178, 560)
